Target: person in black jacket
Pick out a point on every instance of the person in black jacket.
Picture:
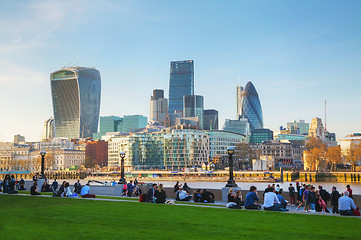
(335, 195)
(324, 194)
(151, 193)
(33, 189)
(197, 195)
(160, 194)
(231, 196)
(207, 197)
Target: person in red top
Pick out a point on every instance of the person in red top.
(349, 190)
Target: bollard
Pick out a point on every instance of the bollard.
(305, 177)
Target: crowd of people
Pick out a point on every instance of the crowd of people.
(304, 196)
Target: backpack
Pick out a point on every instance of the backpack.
(328, 196)
(142, 198)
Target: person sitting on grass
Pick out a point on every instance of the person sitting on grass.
(160, 194)
(183, 195)
(251, 198)
(150, 197)
(238, 199)
(68, 193)
(33, 189)
(282, 199)
(207, 197)
(84, 192)
(197, 195)
(45, 187)
(22, 184)
(346, 204)
(231, 196)
(271, 202)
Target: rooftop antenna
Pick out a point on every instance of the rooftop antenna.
(325, 116)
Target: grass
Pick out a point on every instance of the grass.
(30, 217)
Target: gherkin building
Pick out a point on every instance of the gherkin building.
(249, 106)
(76, 101)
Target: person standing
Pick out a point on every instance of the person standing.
(324, 194)
(130, 188)
(291, 192)
(6, 184)
(311, 199)
(77, 187)
(335, 195)
(54, 186)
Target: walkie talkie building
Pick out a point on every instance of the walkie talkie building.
(76, 101)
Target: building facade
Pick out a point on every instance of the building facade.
(210, 119)
(65, 159)
(48, 130)
(299, 127)
(316, 129)
(193, 106)
(158, 106)
(76, 101)
(240, 126)
(249, 106)
(181, 83)
(220, 141)
(96, 152)
(258, 136)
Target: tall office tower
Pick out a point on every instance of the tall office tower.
(210, 119)
(76, 101)
(181, 83)
(193, 107)
(239, 101)
(158, 106)
(48, 130)
(249, 106)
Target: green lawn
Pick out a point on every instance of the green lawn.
(29, 217)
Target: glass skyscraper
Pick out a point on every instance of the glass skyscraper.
(76, 101)
(210, 119)
(249, 106)
(193, 106)
(181, 83)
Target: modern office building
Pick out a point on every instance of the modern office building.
(158, 106)
(114, 124)
(48, 130)
(219, 141)
(193, 106)
(298, 127)
(76, 101)
(240, 126)
(258, 136)
(185, 149)
(249, 106)
(181, 83)
(210, 119)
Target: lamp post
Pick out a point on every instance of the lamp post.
(122, 156)
(42, 154)
(231, 182)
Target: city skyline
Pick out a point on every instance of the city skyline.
(297, 55)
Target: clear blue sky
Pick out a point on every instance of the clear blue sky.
(297, 54)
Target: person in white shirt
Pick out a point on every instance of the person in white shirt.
(271, 202)
(346, 204)
(184, 196)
